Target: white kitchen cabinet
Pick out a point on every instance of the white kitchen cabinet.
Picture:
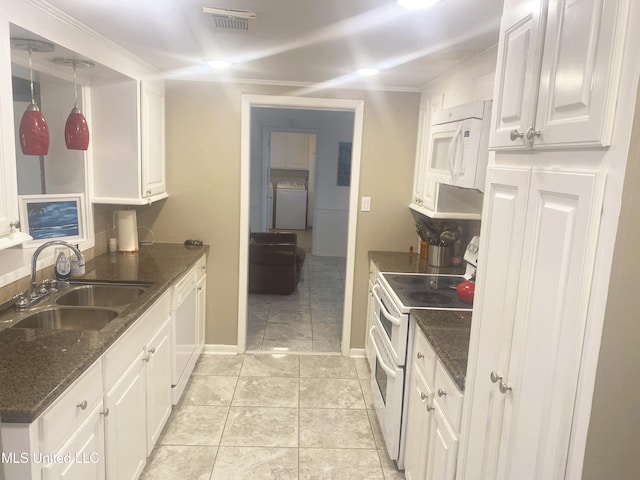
(290, 150)
(127, 120)
(158, 383)
(557, 73)
(201, 311)
(433, 422)
(539, 231)
(125, 424)
(82, 457)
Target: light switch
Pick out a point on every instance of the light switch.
(366, 204)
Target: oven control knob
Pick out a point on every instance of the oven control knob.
(441, 393)
(420, 356)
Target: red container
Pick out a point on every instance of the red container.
(465, 291)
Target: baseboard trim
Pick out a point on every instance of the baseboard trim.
(220, 349)
(357, 353)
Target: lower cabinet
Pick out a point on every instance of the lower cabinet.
(433, 417)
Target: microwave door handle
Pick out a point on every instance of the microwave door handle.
(454, 152)
(391, 372)
(391, 318)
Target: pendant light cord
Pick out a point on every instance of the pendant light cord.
(75, 87)
(33, 100)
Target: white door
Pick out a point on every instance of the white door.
(158, 383)
(517, 69)
(125, 424)
(499, 270)
(418, 427)
(563, 215)
(153, 138)
(443, 448)
(579, 72)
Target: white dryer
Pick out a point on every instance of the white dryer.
(291, 205)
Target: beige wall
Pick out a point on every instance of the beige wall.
(613, 442)
(203, 181)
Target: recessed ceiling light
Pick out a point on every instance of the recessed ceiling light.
(367, 72)
(417, 4)
(219, 64)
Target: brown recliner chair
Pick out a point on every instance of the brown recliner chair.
(275, 263)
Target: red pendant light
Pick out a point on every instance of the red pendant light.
(34, 132)
(76, 130)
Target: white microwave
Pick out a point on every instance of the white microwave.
(459, 145)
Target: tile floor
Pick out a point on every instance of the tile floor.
(308, 320)
(273, 416)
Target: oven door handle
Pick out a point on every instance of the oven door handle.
(391, 372)
(387, 314)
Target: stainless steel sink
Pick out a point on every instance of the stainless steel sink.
(61, 318)
(101, 295)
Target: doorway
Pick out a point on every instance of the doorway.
(324, 242)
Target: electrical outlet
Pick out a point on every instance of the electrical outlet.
(366, 204)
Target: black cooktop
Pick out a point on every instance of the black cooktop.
(427, 291)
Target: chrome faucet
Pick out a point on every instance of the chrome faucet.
(35, 294)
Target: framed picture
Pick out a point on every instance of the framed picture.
(344, 164)
(53, 217)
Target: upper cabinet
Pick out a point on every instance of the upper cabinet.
(128, 158)
(557, 73)
(290, 150)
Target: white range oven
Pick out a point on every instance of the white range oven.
(395, 295)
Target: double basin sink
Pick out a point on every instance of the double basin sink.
(80, 307)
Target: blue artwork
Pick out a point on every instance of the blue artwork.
(53, 219)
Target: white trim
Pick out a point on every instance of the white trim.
(249, 101)
(358, 353)
(210, 349)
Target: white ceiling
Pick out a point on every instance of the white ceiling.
(299, 41)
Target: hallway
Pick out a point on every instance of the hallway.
(308, 320)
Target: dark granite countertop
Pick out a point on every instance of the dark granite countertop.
(448, 333)
(403, 262)
(37, 365)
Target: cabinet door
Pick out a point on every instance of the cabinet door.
(83, 455)
(298, 151)
(201, 313)
(443, 448)
(563, 215)
(422, 152)
(153, 138)
(125, 424)
(580, 70)
(497, 284)
(158, 383)
(278, 149)
(517, 72)
(418, 427)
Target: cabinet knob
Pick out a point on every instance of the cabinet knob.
(495, 378)
(148, 193)
(442, 393)
(532, 132)
(105, 412)
(423, 396)
(82, 405)
(420, 356)
(152, 350)
(515, 134)
(430, 408)
(504, 388)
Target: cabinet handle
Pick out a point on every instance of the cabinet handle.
(532, 132)
(515, 134)
(423, 396)
(105, 412)
(442, 393)
(82, 405)
(420, 356)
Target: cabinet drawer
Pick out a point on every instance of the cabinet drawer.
(201, 267)
(424, 357)
(448, 396)
(70, 410)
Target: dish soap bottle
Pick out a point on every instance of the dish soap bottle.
(63, 267)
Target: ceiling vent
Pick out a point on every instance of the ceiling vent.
(231, 21)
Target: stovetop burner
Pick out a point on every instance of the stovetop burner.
(426, 291)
